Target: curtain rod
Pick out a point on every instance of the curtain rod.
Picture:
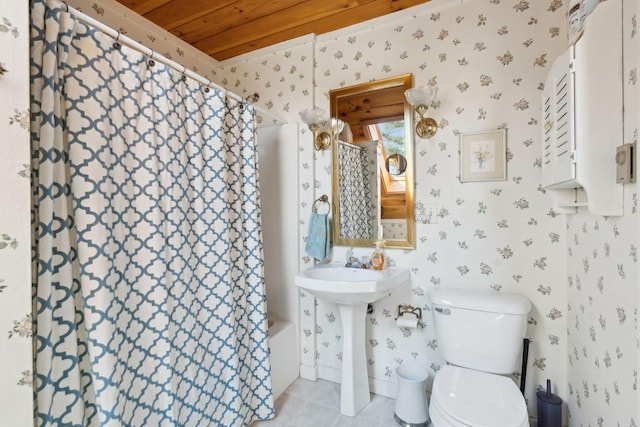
(351, 145)
(129, 42)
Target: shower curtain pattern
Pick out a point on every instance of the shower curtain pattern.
(148, 285)
(355, 193)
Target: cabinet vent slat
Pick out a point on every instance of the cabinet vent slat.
(563, 117)
(563, 126)
(557, 125)
(563, 137)
(561, 89)
(561, 108)
(563, 98)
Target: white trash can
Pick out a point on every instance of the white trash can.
(411, 408)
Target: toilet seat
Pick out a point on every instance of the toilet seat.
(463, 397)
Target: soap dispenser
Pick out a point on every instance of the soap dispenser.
(377, 257)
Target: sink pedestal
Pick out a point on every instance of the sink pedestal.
(354, 391)
(352, 289)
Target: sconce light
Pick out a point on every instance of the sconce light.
(420, 98)
(314, 117)
(337, 126)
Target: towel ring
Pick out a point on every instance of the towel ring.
(322, 199)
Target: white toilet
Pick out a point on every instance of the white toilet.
(480, 334)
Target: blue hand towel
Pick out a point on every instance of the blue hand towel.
(318, 240)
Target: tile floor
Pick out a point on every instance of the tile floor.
(317, 404)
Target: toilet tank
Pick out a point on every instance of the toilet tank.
(480, 330)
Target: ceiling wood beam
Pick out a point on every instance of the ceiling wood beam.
(228, 28)
(300, 14)
(142, 7)
(235, 14)
(174, 14)
(318, 26)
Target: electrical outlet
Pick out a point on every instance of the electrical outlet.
(625, 163)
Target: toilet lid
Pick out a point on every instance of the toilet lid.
(479, 399)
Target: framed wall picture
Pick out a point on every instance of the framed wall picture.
(483, 156)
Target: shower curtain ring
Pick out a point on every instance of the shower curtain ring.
(184, 72)
(116, 44)
(66, 6)
(151, 61)
(206, 89)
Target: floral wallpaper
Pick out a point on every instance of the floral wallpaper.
(393, 229)
(15, 249)
(489, 59)
(602, 286)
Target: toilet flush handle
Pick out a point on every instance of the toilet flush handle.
(443, 311)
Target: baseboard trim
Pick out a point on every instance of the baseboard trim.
(376, 386)
(309, 372)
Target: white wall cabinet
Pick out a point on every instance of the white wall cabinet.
(582, 112)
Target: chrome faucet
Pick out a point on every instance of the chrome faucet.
(349, 258)
(353, 262)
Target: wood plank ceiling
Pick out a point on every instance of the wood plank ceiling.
(227, 28)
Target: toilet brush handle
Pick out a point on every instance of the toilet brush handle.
(525, 358)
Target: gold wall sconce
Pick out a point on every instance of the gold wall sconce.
(314, 118)
(420, 98)
(322, 134)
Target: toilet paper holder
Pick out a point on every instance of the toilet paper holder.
(409, 309)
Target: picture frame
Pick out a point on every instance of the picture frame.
(483, 156)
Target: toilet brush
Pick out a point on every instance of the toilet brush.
(549, 408)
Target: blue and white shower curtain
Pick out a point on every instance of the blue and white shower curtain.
(149, 302)
(356, 202)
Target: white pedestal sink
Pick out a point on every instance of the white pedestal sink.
(352, 289)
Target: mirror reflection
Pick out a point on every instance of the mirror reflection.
(396, 164)
(372, 180)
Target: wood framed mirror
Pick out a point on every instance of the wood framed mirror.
(369, 203)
